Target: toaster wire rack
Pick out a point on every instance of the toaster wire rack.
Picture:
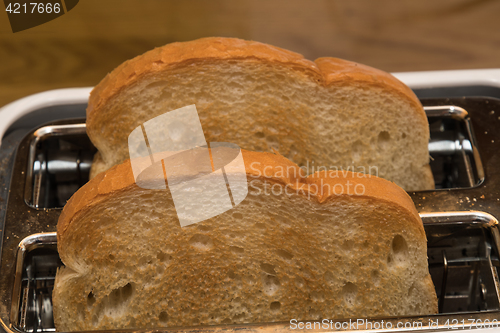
(459, 217)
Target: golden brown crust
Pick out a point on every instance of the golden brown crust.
(343, 72)
(326, 71)
(271, 166)
(178, 54)
(266, 166)
(116, 179)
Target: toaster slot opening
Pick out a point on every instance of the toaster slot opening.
(455, 160)
(32, 305)
(60, 157)
(58, 165)
(466, 282)
(463, 263)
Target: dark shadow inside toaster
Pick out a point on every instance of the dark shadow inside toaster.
(455, 161)
(462, 254)
(38, 275)
(61, 165)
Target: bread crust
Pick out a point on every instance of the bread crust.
(258, 165)
(181, 53)
(337, 71)
(325, 71)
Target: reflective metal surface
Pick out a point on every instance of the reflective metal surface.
(58, 164)
(60, 157)
(36, 267)
(455, 160)
(459, 216)
(462, 250)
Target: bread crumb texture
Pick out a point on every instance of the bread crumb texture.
(330, 113)
(272, 258)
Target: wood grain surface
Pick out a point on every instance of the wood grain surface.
(80, 47)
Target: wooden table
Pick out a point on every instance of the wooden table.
(80, 47)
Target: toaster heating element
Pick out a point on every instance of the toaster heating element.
(459, 217)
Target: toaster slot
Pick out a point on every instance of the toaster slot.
(463, 262)
(60, 157)
(59, 163)
(37, 263)
(455, 160)
(462, 252)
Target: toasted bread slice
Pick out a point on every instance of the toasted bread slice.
(326, 114)
(330, 245)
